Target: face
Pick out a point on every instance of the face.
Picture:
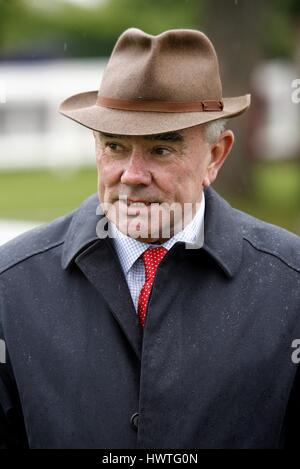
(150, 186)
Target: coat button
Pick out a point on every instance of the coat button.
(134, 420)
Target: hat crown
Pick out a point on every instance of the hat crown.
(179, 65)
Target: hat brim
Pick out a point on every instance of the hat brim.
(82, 108)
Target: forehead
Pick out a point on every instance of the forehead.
(179, 136)
(168, 136)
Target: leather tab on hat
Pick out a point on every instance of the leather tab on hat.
(210, 105)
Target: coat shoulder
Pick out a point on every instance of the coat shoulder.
(270, 239)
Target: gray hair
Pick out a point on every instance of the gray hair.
(212, 130)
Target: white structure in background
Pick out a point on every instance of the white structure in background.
(32, 132)
(10, 229)
(277, 129)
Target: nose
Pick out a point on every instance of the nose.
(136, 171)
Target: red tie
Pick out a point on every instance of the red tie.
(151, 258)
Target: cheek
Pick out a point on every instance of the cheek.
(189, 179)
(198, 168)
(108, 170)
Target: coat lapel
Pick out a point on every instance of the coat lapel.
(101, 266)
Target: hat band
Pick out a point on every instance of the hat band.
(160, 106)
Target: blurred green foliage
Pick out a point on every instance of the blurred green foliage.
(281, 28)
(35, 26)
(86, 31)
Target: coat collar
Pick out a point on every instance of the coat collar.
(82, 230)
(222, 233)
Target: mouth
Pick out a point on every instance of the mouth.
(138, 203)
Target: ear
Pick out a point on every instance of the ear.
(219, 152)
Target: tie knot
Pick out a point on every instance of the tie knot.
(152, 257)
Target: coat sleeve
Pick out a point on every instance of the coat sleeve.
(12, 428)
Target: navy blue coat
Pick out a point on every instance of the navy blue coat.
(212, 368)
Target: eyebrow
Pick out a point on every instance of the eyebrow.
(166, 136)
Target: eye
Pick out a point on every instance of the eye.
(113, 146)
(161, 151)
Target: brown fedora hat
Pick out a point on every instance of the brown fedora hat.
(156, 84)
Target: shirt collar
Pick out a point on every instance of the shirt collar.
(129, 249)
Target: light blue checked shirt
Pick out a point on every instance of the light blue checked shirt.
(129, 249)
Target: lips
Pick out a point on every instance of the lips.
(138, 203)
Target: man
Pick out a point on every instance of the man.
(161, 317)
